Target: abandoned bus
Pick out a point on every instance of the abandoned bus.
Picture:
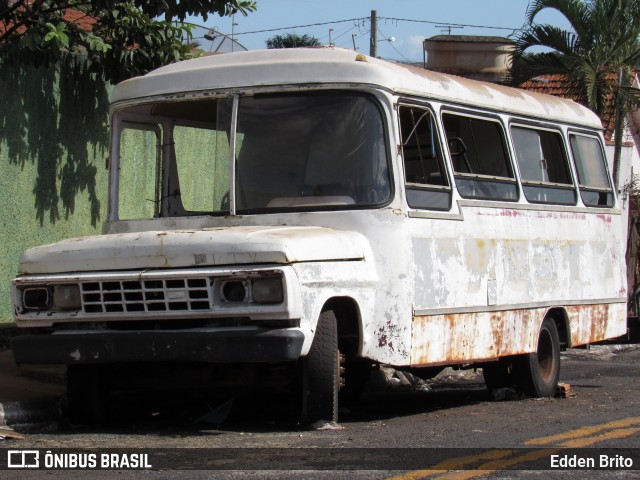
(332, 211)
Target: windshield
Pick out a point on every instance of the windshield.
(291, 152)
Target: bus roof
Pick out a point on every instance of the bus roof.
(330, 65)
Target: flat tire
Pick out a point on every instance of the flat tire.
(537, 374)
(321, 372)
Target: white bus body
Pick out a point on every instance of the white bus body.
(439, 220)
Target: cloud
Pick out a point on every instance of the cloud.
(414, 45)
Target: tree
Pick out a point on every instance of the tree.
(595, 57)
(292, 40)
(113, 40)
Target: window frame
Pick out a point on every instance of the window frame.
(145, 124)
(338, 91)
(476, 177)
(139, 112)
(528, 185)
(425, 189)
(586, 188)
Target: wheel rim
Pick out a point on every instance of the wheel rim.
(546, 356)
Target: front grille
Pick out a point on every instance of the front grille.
(157, 295)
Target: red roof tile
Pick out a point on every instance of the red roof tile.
(552, 85)
(84, 21)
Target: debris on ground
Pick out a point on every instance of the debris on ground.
(326, 425)
(390, 378)
(604, 352)
(563, 390)
(505, 393)
(8, 433)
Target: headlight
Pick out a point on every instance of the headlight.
(267, 290)
(234, 291)
(36, 298)
(263, 290)
(66, 297)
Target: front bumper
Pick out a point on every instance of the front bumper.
(198, 345)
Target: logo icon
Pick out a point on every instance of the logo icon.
(23, 459)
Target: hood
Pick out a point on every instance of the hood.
(186, 248)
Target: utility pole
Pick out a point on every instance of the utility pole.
(233, 30)
(373, 50)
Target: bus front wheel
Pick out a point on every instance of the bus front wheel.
(321, 372)
(537, 374)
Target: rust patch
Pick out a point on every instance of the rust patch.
(382, 338)
(459, 338)
(592, 323)
(472, 337)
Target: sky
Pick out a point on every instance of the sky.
(409, 22)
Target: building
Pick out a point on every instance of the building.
(476, 57)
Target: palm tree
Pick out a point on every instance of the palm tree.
(595, 58)
(292, 40)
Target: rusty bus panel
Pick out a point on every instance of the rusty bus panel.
(440, 338)
(593, 323)
(464, 337)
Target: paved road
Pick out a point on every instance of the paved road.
(412, 429)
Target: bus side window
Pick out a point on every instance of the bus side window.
(480, 158)
(427, 184)
(593, 179)
(543, 166)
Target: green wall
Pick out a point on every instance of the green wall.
(53, 146)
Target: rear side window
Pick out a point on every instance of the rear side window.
(427, 184)
(593, 178)
(543, 166)
(480, 158)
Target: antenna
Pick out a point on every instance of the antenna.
(447, 28)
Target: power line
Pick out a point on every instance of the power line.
(363, 22)
(366, 19)
(448, 23)
(340, 32)
(392, 45)
(302, 26)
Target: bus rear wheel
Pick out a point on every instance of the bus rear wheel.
(537, 374)
(321, 373)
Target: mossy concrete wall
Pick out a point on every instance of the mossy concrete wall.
(53, 146)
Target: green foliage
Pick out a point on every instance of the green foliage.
(57, 34)
(292, 40)
(595, 57)
(106, 39)
(53, 144)
(53, 127)
(604, 38)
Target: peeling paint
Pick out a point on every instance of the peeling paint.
(175, 248)
(466, 337)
